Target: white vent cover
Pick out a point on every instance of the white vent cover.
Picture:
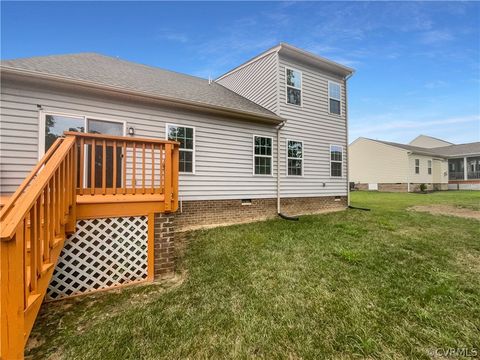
(102, 253)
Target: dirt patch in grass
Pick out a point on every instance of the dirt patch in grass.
(469, 261)
(447, 210)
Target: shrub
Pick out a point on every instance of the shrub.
(423, 187)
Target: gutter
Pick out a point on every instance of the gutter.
(271, 119)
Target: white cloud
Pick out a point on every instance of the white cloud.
(171, 35)
(435, 84)
(435, 37)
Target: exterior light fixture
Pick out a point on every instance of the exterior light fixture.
(131, 131)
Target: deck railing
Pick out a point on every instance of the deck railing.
(473, 175)
(36, 219)
(456, 175)
(110, 165)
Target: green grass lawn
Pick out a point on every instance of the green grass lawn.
(384, 284)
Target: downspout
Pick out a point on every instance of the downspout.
(279, 209)
(278, 166)
(408, 171)
(346, 132)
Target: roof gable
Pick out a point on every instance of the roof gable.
(302, 55)
(426, 141)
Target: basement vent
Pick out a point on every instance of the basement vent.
(101, 254)
(246, 201)
(338, 198)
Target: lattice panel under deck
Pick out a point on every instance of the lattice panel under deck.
(102, 253)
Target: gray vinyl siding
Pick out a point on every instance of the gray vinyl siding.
(312, 124)
(256, 81)
(224, 146)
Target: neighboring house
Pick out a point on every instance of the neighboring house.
(275, 126)
(387, 166)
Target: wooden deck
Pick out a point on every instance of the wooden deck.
(81, 176)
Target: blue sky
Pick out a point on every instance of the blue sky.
(417, 63)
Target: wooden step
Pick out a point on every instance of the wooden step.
(53, 244)
(56, 241)
(46, 268)
(32, 298)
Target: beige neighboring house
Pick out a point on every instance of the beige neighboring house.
(388, 166)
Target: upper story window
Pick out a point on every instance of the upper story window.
(294, 158)
(185, 135)
(336, 160)
(429, 167)
(334, 97)
(417, 166)
(294, 87)
(262, 154)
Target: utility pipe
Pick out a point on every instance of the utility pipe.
(346, 131)
(278, 165)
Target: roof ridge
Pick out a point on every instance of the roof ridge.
(52, 55)
(152, 67)
(117, 58)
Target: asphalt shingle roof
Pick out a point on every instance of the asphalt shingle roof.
(444, 151)
(109, 71)
(460, 149)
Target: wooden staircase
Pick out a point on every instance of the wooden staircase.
(34, 222)
(38, 217)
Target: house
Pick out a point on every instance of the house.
(103, 160)
(439, 164)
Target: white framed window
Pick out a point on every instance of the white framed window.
(294, 158)
(334, 97)
(262, 155)
(429, 167)
(185, 135)
(293, 81)
(417, 166)
(336, 160)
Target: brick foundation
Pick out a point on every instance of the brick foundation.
(164, 246)
(208, 213)
(402, 187)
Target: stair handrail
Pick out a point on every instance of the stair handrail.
(32, 175)
(27, 197)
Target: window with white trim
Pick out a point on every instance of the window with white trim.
(294, 87)
(185, 135)
(429, 167)
(334, 97)
(262, 154)
(336, 160)
(294, 158)
(417, 166)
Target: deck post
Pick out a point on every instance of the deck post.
(168, 176)
(175, 171)
(11, 295)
